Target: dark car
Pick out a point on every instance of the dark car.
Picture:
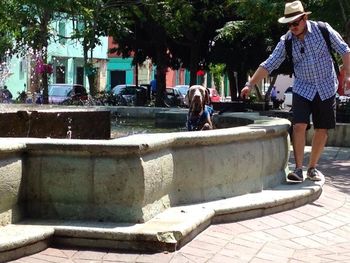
(183, 90)
(130, 95)
(67, 93)
(173, 98)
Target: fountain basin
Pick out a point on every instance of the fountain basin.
(133, 179)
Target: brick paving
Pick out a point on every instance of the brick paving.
(317, 232)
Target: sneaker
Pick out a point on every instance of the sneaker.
(313, 174)
(296, 175)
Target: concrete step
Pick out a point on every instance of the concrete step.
(167, 231)
(20, 240)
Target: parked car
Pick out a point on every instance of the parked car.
(173, 98)
(130, 95)
(183, 89)
(288, 96)
(67, 93)
(214, 95)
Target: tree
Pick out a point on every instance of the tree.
(91, 19)
(172, 33)
(144, 36)
(192, 27)
(325, 10)
(6, 43)
(243, 43)
(29, 24)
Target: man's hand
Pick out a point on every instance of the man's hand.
(245, 92)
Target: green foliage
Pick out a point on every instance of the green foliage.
(173, 33)
(217, 70)
(260, 15)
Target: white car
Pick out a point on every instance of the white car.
(288, 97)
(342, 98)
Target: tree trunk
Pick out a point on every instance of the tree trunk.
(92, 84)
(194, 64)
(241, 80)
(161, 76)
(92, 76)
(233, 84)
(44, 44)
(344, 6)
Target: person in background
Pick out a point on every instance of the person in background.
(6, 95)
(153, 84)
(274, 97)
(314, 86)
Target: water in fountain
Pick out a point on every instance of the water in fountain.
(69, 131)
(122, 127)
(5, 68)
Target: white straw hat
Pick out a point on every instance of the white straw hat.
(292, 11)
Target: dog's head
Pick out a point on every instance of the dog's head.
(197, 97)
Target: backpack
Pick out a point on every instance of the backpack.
(287, 66)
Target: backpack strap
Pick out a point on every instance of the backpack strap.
(325, 34)
(289, 52)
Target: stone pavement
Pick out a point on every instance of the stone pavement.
(317, 232)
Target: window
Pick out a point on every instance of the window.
(60, 74)
(80, 76)
(62, 32)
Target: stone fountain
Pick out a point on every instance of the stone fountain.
(145, 191)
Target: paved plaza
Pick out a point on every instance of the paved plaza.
(317, 232)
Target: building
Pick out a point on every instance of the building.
(67, 61)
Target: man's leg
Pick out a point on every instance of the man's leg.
(318, 142)
(299, 130)
(301, 109)
(323, 115)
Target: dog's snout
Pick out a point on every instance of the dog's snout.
(197, 93)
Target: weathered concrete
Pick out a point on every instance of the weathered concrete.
(134, 178)
(155, 191)
(11, 184)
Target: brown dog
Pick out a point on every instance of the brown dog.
(199, 113)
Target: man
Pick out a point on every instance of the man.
(314, 85)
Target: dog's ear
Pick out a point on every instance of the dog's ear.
(207, 97)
